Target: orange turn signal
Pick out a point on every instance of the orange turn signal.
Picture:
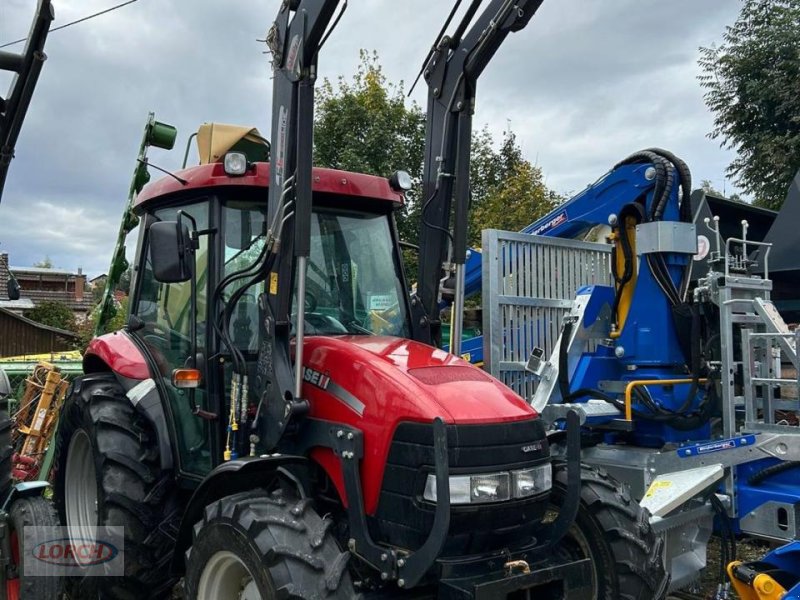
(186, 378)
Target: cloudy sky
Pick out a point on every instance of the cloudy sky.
(586, 83)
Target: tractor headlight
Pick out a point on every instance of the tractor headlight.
(493, 487)
(235, 163)
(527, 482)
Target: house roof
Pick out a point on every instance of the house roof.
(21, 304)
(40, 271)
(62, 332)
(60, 296)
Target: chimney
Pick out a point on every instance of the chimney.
(4, 276)
(80, 285)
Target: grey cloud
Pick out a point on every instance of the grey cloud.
(586, 83)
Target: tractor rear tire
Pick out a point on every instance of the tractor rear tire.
(107, 456)
(614, 531)
(6, 450)
(24, 512)
(259, 545)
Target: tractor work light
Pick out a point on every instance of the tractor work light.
(400, 181)
(235, 164)
(493, 487)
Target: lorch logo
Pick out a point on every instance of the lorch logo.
(67, 552)
(96, 552)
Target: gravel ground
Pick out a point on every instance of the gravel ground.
(746, 550)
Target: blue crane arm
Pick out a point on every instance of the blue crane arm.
(620, 186)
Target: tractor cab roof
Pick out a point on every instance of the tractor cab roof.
(215, 140)
(213, 175)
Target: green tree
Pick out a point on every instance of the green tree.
(365, 125)
(751, 83)
(45, 263)
(54, 314)
(522, 198)
(514, 193)
(709, 188)
(86, 328)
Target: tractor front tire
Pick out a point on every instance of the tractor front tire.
(107, 457)
(31, 511)
(257, 545)
(614, 532)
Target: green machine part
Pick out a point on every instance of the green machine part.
(159, 135)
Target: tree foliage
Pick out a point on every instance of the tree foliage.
(752, 83)
(54, 314)
(86, 328)
(510, 192)
(45, 263)
(708, 187)
(366, 125)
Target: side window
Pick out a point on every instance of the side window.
(165, 307)
(165, 310)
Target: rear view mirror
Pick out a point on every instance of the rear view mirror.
(171, 252)
(13, 288)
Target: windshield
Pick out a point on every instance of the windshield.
(353, 284)
(353, 278)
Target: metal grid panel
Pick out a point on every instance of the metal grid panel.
(529, 283)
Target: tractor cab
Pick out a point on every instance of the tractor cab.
(354, 285)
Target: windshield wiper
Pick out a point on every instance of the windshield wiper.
(359, 328)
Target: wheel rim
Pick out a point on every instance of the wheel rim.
(226, 576)
(575, 546)
(80, 497)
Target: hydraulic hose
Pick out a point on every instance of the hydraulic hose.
(768, 472)
(685, 176)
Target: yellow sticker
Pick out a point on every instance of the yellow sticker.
(467, 356)
(273, 283)
(656, 486)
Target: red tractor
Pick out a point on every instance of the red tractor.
(276, 420)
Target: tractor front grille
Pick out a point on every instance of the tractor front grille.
(405, 519)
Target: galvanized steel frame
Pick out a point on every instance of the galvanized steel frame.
(531, 281)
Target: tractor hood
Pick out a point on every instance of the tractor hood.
(399, 379)
(375, 383)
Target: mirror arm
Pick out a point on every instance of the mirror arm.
(190, 253)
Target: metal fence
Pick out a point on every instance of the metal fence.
(529, 283)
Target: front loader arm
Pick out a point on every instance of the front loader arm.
(26, 67)
(451, 73)
(294, 41)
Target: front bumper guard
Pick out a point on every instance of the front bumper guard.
(408, 569)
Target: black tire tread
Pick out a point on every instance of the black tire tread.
(6, 450)
(637, 552)
(34, 510)
(135, 493)
(295, 544)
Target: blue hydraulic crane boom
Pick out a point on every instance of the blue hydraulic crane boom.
(620, 186)
(637, 180)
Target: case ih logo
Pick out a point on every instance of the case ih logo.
(320, 380)
(75, 553)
